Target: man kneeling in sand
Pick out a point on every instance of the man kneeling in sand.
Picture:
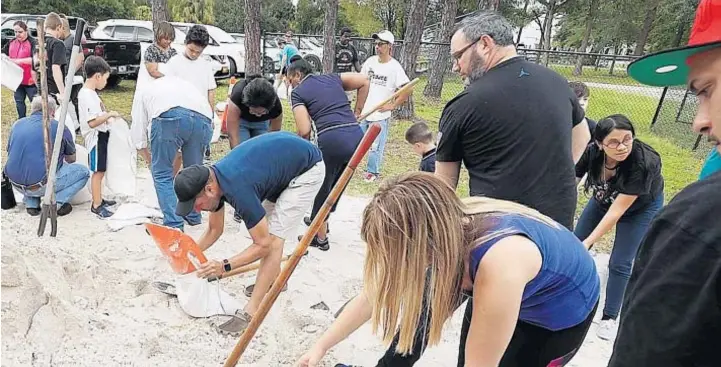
(271, 181)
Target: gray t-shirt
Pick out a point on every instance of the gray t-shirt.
(69, 49)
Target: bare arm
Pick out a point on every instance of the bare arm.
(70, 158)
(580, 136)
(302, 121)
(211, 99)
(449, 171)
(152, 68)
(58, 78)
(277, 123)
(23, 61)
(614, 213)
(262, 241)
(359, 82)
(216, 223)
(497, 293)
(81, 60)
(102, 119)
(232, 123)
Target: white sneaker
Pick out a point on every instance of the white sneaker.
(607, 329)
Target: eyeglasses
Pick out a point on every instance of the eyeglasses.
(381, 43)
(614, 144)
(458, 54)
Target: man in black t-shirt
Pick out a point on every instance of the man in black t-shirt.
(253, 109)
(346, 55)
(672, 307)
(517, 128)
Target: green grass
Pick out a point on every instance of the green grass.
(680, 165)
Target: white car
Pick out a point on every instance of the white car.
(226, 43)
(142, 31)
(310, 51)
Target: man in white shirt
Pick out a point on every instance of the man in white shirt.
(196, 69)
(181, 120)
(386, 75)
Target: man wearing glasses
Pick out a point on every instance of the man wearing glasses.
(386, 75)
(518, 128)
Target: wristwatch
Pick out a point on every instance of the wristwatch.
(226, 265)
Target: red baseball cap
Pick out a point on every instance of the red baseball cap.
(669, 67)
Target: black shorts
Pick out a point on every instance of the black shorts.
(99, 154)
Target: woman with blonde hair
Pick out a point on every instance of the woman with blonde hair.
(533, 285)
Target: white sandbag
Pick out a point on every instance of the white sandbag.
(69, 123)
(84, 195)
(122, 160)
(130, 214)
(200, 298)
(12, 73)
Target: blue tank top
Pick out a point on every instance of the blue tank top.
(566, 288)
(324, 98)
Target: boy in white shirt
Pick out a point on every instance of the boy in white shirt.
(386, 75)
(95, 130)
(195, 69)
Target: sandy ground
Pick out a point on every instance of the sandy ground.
(84, 299)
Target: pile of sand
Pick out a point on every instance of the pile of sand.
(84, 299)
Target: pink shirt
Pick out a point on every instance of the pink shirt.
(21, 50)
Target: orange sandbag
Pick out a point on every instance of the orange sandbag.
(179, 248)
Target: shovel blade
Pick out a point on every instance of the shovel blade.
(178, 247)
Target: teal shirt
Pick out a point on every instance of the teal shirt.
(289, 51)
(712, 165)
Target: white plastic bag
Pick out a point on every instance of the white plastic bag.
(130, 214)
(12, 74)
(200, 298)
(84, 195)
(122, 160)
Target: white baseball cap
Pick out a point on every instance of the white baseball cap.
(385, 36)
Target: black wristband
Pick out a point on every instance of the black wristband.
(226, 265)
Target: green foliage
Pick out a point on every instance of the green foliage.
(309, 16)
(276, 15)
(230, 15)
(359, 17)
(192, 11)
(143, 12)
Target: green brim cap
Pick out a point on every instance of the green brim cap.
(666, 68)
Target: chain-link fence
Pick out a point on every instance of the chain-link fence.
(612, 90)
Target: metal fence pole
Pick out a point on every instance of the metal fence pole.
(658, 108)
(680, 107)
(613, 63)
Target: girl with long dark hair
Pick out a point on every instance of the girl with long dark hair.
(624, 178)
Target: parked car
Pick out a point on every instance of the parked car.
(142, 31)
(122, 56)
(271, 58)
(226, 43)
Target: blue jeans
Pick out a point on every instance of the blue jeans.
(375, 157)
(252, 129)
(177, 128)
(630, 230)
(70, 178)
(21, 93)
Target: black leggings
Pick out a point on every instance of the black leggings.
(337, 147)
(530, 346)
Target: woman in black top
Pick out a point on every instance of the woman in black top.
(624, 178)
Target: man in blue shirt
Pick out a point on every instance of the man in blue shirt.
(270, 192)
(25, 167)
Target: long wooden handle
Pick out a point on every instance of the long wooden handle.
(43, 79)
(247, 268)
(406, 88)
(290, 266)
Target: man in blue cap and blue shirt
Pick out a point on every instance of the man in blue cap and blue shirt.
(270, 191)
(672, 307)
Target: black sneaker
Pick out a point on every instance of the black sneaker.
(109, 202)
(307, 222)
(33, 211)
(323, 245)
(65, 209)
(101, 211)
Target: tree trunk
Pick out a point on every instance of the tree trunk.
(331, 15)
(651, 6)
(578, 70)
(252, 37)
(520, 28)
(442, 54)
(547, 29)
(159, 12)
(411, 45)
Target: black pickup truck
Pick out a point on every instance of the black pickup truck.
(122, 56)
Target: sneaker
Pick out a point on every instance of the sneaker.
(65, 209)
(323, 245)
(370, 177)
(33, 211)
(248, 291)
(237, 217)
(607, 329)
(102, 211)
(307, 222)
(109, 202)
(236, 324)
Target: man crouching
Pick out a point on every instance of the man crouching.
(271, 182)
